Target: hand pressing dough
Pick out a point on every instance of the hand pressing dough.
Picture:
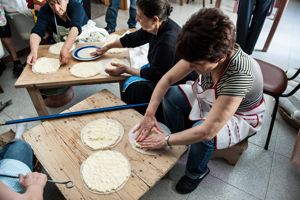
(102, 133)
(136, 146)
(105, 171)
(106, 64)
(45, 65)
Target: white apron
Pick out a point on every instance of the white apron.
(240, 126)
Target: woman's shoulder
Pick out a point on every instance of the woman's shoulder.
(241, 62)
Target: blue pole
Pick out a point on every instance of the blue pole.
(71, 114)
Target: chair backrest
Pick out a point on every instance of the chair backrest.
(275, 79)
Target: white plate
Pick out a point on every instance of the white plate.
(83, 53)
(131, 138)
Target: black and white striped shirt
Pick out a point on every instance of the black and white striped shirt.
(241, 78)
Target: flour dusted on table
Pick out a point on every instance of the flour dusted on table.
(102, 133)
(45, 65)
(105, 171)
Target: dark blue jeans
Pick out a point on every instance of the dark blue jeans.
(176, 109)
(251, 18)
(18, 150)
(112, 14)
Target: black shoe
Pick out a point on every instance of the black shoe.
(109, 30)
(17, 69)
(132, 27)
(2, 67)
(186, 185)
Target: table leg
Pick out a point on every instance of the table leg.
(279, 13)
(37, 101)
(218, 4)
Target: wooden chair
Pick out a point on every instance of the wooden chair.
(275, 83)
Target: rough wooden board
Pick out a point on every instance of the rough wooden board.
(58, 147)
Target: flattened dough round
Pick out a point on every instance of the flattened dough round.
(84, 69)
(136, 146)
(102, 133)
(56, 48)
(45, 65)
(105, 171)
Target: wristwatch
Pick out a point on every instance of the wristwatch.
(167, 140)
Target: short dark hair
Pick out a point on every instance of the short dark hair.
(208, 35)
(151, 8)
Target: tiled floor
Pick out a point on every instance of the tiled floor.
(259, 174)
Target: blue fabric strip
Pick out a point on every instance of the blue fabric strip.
(133, 79)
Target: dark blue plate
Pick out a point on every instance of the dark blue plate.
(91, 48)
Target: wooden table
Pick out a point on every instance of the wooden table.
(58, 147)
(34, 82)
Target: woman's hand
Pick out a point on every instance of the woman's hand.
(119, 69)
(145, 127)
(154, 141)
(33, 179)
(64, 56)
(31, 58)
(100, 51)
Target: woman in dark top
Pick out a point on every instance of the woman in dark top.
(63, 18)
(160, 32)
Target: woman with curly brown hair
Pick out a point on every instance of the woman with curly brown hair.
(223, 107)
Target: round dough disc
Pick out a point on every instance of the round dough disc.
(102, 133)
(135, 145)
(84, 69)
(56, 48)
(45, 65)
(105, 171)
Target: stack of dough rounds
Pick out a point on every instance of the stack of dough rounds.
(122, 61)
(105, 171)
(111, 38)
(102, 133)
(84, 69)
(56, 48)
(45, 65)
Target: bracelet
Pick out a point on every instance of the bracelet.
(167, 140)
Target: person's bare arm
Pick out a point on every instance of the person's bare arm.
(180, 70)
(35, 40)
(65, 50)
(222, 110)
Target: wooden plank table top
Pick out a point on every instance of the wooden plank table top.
(58, 147)
(63, 77)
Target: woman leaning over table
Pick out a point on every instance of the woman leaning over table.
(225, 105)
(64, 18)
(160, 32)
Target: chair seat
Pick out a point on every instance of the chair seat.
(275, 79)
